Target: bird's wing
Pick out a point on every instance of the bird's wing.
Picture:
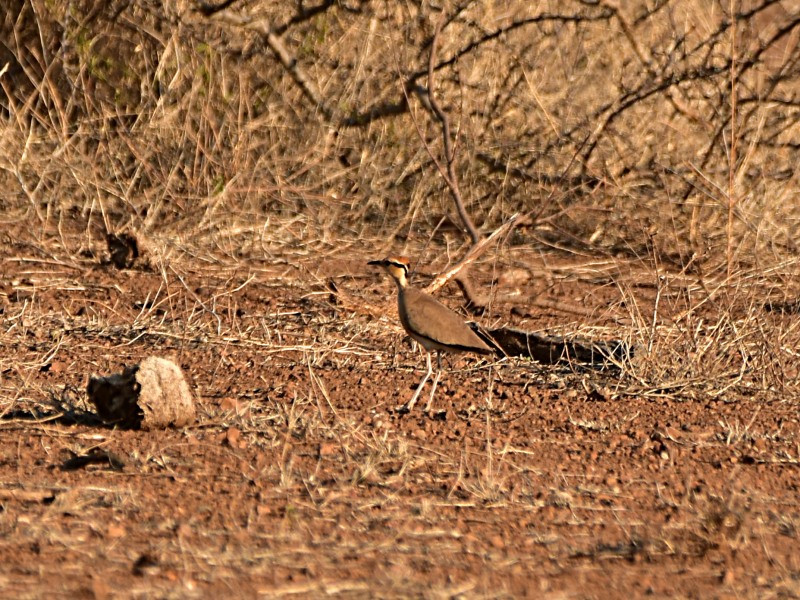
(429, 318)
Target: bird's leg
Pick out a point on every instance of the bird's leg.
(413, 400)
(436, 380)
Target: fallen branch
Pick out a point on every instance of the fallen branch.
(473, 253)
(551, 350)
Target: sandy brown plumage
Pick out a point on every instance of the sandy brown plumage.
(429, 322)
(434, 325)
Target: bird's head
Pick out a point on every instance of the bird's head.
(396, 266)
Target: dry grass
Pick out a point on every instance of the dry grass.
(621, 142)
(654, 154)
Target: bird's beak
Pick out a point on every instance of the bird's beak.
(376, 262)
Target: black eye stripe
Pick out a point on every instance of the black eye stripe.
(399, 265)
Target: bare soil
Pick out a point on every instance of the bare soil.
(301, 480)
(260, 153)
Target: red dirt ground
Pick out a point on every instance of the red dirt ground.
(299, 480)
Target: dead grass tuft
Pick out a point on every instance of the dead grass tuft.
(209, 185)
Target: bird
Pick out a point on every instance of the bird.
(430, 323)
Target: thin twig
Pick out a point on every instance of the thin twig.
(451, 176)
(472, 254)
(289, 62)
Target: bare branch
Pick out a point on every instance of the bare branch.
(411, 84)
(474, 252)
(451, 177)
(289, 62)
